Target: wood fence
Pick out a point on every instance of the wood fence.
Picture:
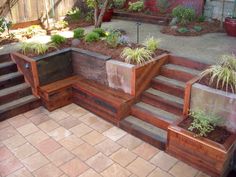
(30, 10)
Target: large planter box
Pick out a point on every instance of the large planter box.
(206, 155)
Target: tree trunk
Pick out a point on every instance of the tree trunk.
(222, 14)
(99, 16)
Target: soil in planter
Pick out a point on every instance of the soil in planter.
(206, 80)
(7, 40)
(207, 27)
(218, 135)
(103, 48)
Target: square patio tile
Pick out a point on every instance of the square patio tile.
(129, 141)
(48, 146)
(80, 130)
(93, 138)
(48, 126)
(69, 122)
(69, 107)
(37, 137)
(99, 162)
(78, 112)
(10, 165)
(39, 118)
(90, 173)
(74, 167)
(159, 173)
(18, 121)
(59, 133)
(22, 172)
(108, 147)
(89, 119)
(60, 156)
(33, 112)
(114, 133)
(164, 161)
(24, 151)
(141, 167)
(123, 157)
(71, 142)
(85, 151)
(116, 171)
(5, 153)
(48, 171)
(14, 141)
(101, 125)
(27, 129)
(7, 132)
(201, 174)
(146, 151)
(35, 161)
(183, 170)
(4, 124)
(58, 115)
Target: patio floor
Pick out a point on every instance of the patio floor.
(74, 142)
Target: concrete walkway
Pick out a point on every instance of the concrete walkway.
(207, 48)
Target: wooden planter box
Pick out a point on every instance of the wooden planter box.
(206, 155)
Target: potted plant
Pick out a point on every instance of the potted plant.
(230, 23)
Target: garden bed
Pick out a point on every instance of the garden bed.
(207, 27)
(7, 40)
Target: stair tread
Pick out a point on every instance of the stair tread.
(165, 96)
(5, 64)
(17, 103)
(170, 81)
(9, 76)
(13, 89)
(169, 117)
(182, 68)
(159, 133)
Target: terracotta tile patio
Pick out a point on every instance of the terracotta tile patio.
(72, 142)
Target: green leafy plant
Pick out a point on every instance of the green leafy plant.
(203, 123)
(78, 33)
(5, 25)
(58, 39)
(136, 6)
(197, 28)
(91, 37)
(89, 16)
(138, 55)
(118, 3)
(183, 30)
(74, 14)
(34, 47)
(183, 14)
(112, 39)
(223, 73)
(201, 18)
(163, 5)
(152, 44)
(61, 24)
(101, 32)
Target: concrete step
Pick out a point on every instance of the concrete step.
(145, 131)
(11, 79)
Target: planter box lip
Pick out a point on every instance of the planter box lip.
(213, 90)
(57, 52)
(220, 147)
(121, 63)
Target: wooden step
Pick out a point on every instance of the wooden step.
(145, 131)
(7, 67)
(153, 115)
(178, 72)
(11, 79)
(168, 85)
(14, 92)
(5, 58)
(18, 106)
(188, 63)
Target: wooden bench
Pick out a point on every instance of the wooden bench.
(57, 94)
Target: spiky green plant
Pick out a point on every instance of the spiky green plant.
(58, 39)
(34, 47)
(152, 44)
(138, 55)
(223, 73)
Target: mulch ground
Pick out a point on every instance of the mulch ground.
(7, 40)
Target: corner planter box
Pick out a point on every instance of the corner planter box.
(206, 155)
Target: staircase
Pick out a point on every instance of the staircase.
(162, 103)
(15, 95)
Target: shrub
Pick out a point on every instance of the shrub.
(183, 14)
(119, 3)
(91, 37)
(112, 39)
(89, 16)
(123, 40)
(136, 6)
(61, 24)
(138, 55)
(101, 32)
(203, 123)
(197, 28)
(58, 39)
(163, 5)
(74, 14)
(223, 73)
(34, 47)
(183, 30)
(5, 25)
(78, 33)
(152, 44)
(201, 18)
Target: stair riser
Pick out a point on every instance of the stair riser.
(178, 75)
(162, 104)
(14, 96)
(8, 69)
(11, 82)
(19, 110)
(5, 58)
(142, 135)
(170, 89)
(147, 117)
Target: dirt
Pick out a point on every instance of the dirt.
(219, 135)
(79, 23)
(7, 40)
(147, 13)
(206, 81)
(207, 27)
